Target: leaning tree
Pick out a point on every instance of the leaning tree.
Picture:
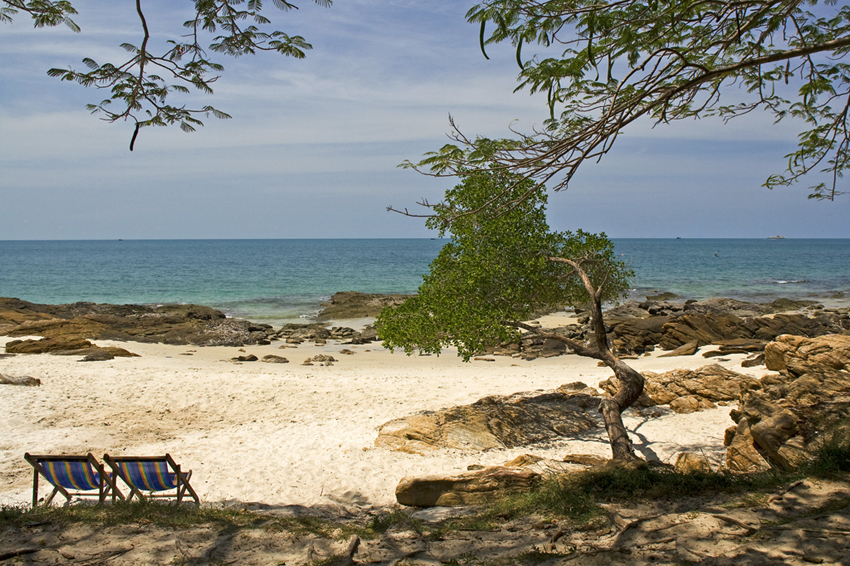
(497, 269)
(607, 64)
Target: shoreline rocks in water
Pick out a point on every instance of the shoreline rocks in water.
(348, 305)
(634, 328)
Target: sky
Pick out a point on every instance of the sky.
(314, 145)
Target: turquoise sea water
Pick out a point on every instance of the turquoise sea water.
(282, 280)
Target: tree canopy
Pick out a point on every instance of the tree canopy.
(497, 270)
(140, 86)
(499, 267)
(605, 64)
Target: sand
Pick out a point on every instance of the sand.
(288, 434)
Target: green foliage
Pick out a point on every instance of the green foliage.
(43, 12)
(496, 269)
(833, 455)
(606, 64)
(142, 96)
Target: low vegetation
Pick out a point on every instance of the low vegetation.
(576, 499)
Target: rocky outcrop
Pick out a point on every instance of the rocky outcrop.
(798, 355)
(66, 346)
(635, 328)
(781, 423)
(47, 345)
(713, 328)
(351, 304)
(495, 422)
(169, 324)
(687, 391)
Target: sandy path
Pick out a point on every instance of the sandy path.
(291, 434)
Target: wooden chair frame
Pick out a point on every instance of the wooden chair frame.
(106, 487)
(182, 488)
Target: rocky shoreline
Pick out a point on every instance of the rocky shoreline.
(68, 328)
(635, 328)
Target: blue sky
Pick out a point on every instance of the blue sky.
(313, 147)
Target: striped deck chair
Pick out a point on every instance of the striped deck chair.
(72, 476)
(153, 474)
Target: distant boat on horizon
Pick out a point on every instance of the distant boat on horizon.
(776, 237)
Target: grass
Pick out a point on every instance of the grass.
(578, 497)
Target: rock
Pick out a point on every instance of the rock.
(729, 435)
(97, 355)
(24, 380)
(753, 361)
(701, 387)
(272, 359)
(635, 335)
(691, 462)
(47, 345)
(351, 304)
(796, 407)
(665, 296)
(170, 324)
(492, 422)
(705, 328)
(65, 346)
(688, 349)
(741, 455)
(469, 488)
(798, 355)
(634, 327)
(690, 404)
(585, 459)
(771, 433)
(794, 453)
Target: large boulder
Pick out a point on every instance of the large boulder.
(493, 422)
(798, 355)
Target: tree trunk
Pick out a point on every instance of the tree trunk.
(631, 387)
(631, 381)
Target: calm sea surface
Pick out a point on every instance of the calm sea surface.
(282, 280)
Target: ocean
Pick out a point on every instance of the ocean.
(277, 281)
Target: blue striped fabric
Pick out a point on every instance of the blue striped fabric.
(71, 474)
(148, 476)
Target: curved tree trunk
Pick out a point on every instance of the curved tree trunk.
(631, 381)
(631, 387)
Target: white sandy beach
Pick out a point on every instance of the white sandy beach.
(287, 434)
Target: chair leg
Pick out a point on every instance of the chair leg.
(34, 488)
(52, 495)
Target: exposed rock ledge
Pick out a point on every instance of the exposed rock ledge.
(347, 305)
(495, 422)
(169, 324)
